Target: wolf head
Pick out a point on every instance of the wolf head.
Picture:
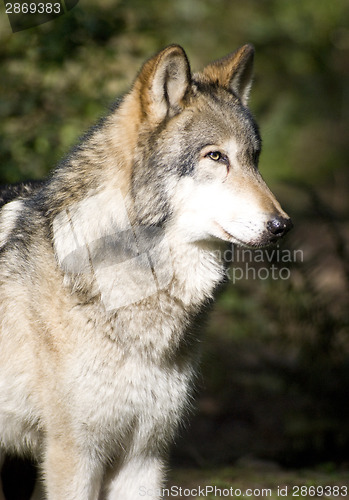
(196, 151)
(178, 156)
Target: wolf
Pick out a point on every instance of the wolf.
(105, 266)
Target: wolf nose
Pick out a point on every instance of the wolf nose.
(279, 226)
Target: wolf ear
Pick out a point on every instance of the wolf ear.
(234, 72)
(163, 83)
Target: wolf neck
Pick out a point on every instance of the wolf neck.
(197, 270)
(159, 322)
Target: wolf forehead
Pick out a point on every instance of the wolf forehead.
(217, 115)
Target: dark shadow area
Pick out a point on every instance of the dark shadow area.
(18, 478)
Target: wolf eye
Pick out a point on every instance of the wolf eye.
(216, 156)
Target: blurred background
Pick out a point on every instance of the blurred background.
(275, 374)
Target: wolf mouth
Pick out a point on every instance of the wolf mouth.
(263, 243)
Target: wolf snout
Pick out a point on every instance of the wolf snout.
(278, 226)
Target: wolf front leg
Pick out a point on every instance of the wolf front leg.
(70, 473)
(138, 477)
